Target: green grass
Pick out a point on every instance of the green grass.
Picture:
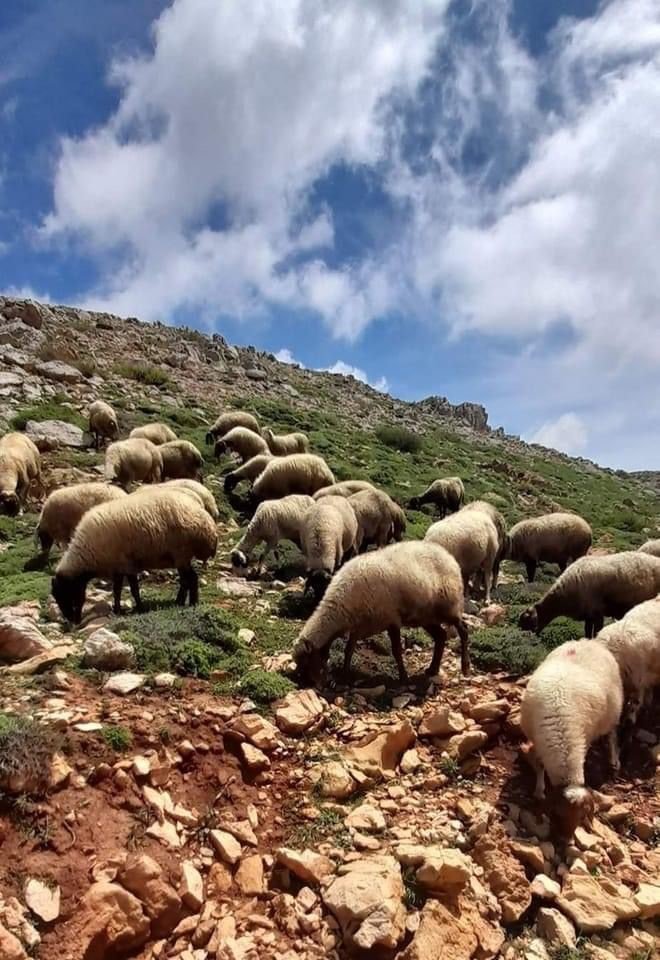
(265, 687)
(506, 648)
(15, 585)
(399, 438)
(450, 767)
(328, 827)
(50, 410)
(118, 738)
(26, 748)
(144, 373)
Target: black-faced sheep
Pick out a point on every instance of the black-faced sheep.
(634, 642)
(379, 518)
(102, 422)
(557, 538)
(136, 460)
(409, 584)
(65, 508)
(447, 494)
(273, 520)
(593, 588)
(249, 470)
(574, 697)
(652, 547)
(227, 421)
(181, 459)
(346, 488)
(205, 496)
(20, 465)
(241, 441)
(328, 536)
(158, 529)
(283, 444)
(472, 538)
(298, 473)
(157, 433)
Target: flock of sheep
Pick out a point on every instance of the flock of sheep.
(169, 520)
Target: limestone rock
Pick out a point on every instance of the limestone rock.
(43, 901)
(334, 780)
(20, 638)
(596, 903)
(528, 853)
(307, 865)
(250, 876)
(544, 887)
(383, 751)
(554, 927)
(57, 370)
(366, 899)
(410, 761)
(143, 877)
(226, 846)
(441, 723)
(53, 434)
(490, 711)
(647, 899)
(444, 871)
(11, 947)
(105, 650)
(254, 758)
(219, 881)
(493, 615)
(192, 886)
(299, 711)
(467, 743)
(27, 311)
(504, 875)
(124, 683)
(110, 922)
(366, 818)
(259, 731)
(453, 931)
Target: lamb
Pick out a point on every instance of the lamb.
(20, 464)
(500, 526)
(274, 520)
(554, 538)
(64, 509)
(136, 460)
(328, 536)
(227, 421)
(249, 470)
(652, 547)
(634, 642)
(593, 588)
(283, 444)
(181, 459)
(379, 518)
(447, 494)
(472, 538)
(298, 473)
(411, 584)
(346, 488)
(204, 495)
(102, 422)
(574, 697)
(150, 530)
(158, 433)
(242, 441)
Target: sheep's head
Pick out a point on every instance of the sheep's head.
(69, 594)
(310, 663)
(570, 808)
(238, 558)
(529, 620)
(317, 582)
(10, 505)
(220, 449)
(414, 503)
(210, 437)
(230, 482)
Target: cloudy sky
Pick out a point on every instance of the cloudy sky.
(442, 196)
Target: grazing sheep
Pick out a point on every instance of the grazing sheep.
(227, 421)
(346, 488)
(181, 459)
(472, 538)
(102, 422)
(241, 441)
(377, 516)
(64, 509)
(554, 538)
(158, 433)
(283, 444)
(634, 642)
(328, 536)
(203, 493)
(500, 526)
(399, 522)
(409, 584)
(298, 473)
(593, 588)
(156, 529)
(20, 464)
(574, 697)
(447, 494)
(249, 470)
(652, 547)
(274, 520)
(136, 460)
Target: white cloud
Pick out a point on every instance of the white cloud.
(339, 366)
(567, 433)
(285, 356)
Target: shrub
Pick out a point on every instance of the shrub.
(265, 687)
(561, 631)
(506, 648)
(400, 438)
(87, 367)
(143, 373)
(117, 737)
(26, 748)
(51, 410)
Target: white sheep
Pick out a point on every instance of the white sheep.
(328, 536)
(136, 460)
(472, 538)
(158, 529)
(447, 494)
(345, 488)
(298, 473)
(500, 525)
(557, 538)
(379, 518)
(411, 584)
(20, 465)
(181, 459)
(273, 521)
(241, 441)
(205, 496)
(574, 697)
(64, 509)
(652, 547)
(157, 433)
(634, 642)
(227, 421)
(283, 444)
(593, 588)
(102, 422)
(249, 470)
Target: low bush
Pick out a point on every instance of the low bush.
(264, 687)
(399, 438)
(26, 749)
(143, 373)
(50, 410)
(507, 648)
(117, 737)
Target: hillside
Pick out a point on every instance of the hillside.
(252, 811)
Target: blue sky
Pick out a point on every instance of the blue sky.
(444, 197)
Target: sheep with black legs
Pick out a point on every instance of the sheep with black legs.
(227, 421)
(65, 508)
(157, 433)
(298, 473)
(379, 519)
(136, 460)
(181, 460)
(102, 422)
(472, 538)
(283, 444)
(205, 496)
(345, 488)
(557, 538)
(20, 466)
(241, 441)
(447, 494)
(634, 642)
(249, 470)
(273, 521)
(328, 535)
(502, 536)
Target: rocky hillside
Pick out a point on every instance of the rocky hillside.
(165, 788)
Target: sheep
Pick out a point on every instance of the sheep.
(472, 538)
(273, 520)
(634, 642)
(136, 460)
(153, 530)
(298, 473)
(554, 538)
(379, 518)
(241, 441)
(328, 536)
(181, 459)
(574, 697)
(500, 526)
(102, 422)
(447, 494)
(64, 509)
(158, 433)
(249, 470)
(593, 588)
(285, 443)
(346, 488)
(411, 584)
(652, 547)
(227, 421)
(399, 522)
(203, 493)
(20, 464)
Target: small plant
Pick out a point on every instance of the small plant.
(450, 767)
(561, 631)
(507, 648)
(26, 749)
(565, 952)
(117, 737)
(165, 735)
(86, 366)
(328, 827)
(264, 687)
(399, 438)
(414, 895)
(143, 373)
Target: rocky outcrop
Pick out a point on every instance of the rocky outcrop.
(473, 414)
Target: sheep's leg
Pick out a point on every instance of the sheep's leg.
(466, 586)
(193, 587)
(117, 584)
(397, 652)
(599, 621)
(462, 630)
(530, 567)
(487, 575)
(45, 541)
(613, 746)
(349, 650)
(588, 628)
(539, 789)
(134, 585)
(439, 636)
(183, 588)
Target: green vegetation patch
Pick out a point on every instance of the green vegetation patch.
(506, 648)
(17, 539)
(26, 749)
(117, 737)
(145, 373)
(400, 438)
(55, 409)
(265, 687)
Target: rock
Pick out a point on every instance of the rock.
(410, 761)
(246, 636)
(104, 650)
(453, 932)
(528, 853)
(110, 922)
(254, 758)
(254, 373)
(366, 818)
(466, 743)
(545, 888)
(164, 680)
(20, 638)
(383, 751)
(444, 871)
(259, 731)
(490, 711)
(41, 661)
(59, 772)
(43, 901)
(219, 881)
(192, 886)
(143, 877)
(53, 434)
(473, 414)
(241, 830)
(504, 875)
(334, 780)
(596, 903)
(250, 876)
(57, 370)
(10, 383)
(27, 311)
(11, 947)
(493, 615)
(647, 899)
(165, 833)
(237, 587)
(299, 711)
(441, 723)
(366, 899)
(554, 927)
(308, 866)
(124, 683)
(226, 846)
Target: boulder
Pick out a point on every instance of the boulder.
(105, 650)
(57, 370)
(254, 758)
(490, 711)
(366, 898)
(53, 434)
(307, 865)
(11, 947)
(259, 731)
(467, 743)
(43, 900)
(366, 818)
(647, 899)
(596, 903)
(20, 638)
(383, 750)
(334, 780)
(143, 877)
(555, 928)
(444, 871)
(442, 722)
(110, 922)
(504, 874)
(192, 886)
(249, 877)
(299, 711)
(453, 931)
(27, 311)
(254, 373)
(123, 683)
(226, 846)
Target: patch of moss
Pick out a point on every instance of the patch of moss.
(117, 737)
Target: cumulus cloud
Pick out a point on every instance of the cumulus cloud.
(567, 433)
(339, 366)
